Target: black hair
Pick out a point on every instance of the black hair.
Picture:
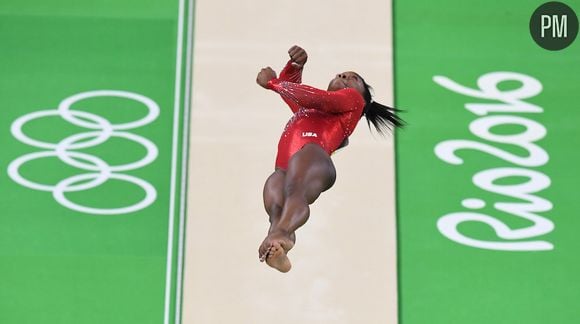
(383, 118)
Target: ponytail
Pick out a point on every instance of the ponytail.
(383, 118)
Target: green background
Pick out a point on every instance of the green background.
(442, 281)
(59, 265)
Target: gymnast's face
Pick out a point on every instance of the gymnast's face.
(347, 80)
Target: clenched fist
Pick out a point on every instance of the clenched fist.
(298, 56)
(265, 75)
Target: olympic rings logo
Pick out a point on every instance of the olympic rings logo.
(97, 170)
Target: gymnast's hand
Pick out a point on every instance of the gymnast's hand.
(265, 75)
(298, 56)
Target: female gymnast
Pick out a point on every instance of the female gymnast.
(321, 124)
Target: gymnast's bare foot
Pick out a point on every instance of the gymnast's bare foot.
(274, 251)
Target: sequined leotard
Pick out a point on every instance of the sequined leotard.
(326, 118)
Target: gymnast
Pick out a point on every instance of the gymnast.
(321, 123)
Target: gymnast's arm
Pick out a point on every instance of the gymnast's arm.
(292, 72)
(306, 96)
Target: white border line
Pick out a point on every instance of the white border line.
(174, 146)
(184, 159)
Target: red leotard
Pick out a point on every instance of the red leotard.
(326, 118)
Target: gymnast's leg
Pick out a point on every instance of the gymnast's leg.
(274, 198)
(310, 172)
